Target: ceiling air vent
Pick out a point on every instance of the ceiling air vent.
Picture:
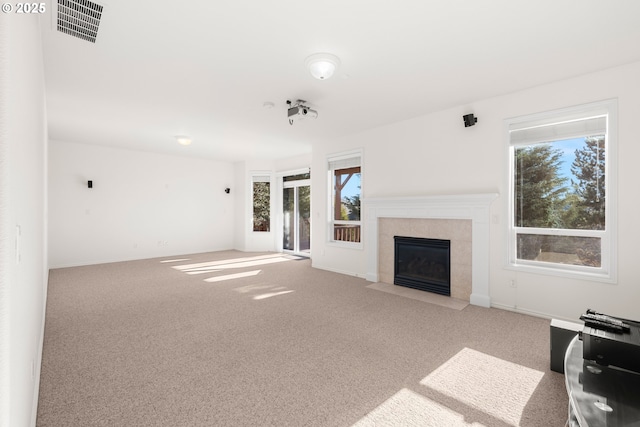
(79, 18)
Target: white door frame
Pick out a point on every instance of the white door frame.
(280, 186)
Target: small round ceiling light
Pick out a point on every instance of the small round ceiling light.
(183, 140)
(322, 65)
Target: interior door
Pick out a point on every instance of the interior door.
(296, 209)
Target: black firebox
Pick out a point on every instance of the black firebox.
(423, 264)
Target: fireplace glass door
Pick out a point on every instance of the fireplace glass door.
(423, 264)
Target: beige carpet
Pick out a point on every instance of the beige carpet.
(238, 339)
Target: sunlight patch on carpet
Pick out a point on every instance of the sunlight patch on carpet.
(489, 384)
(274, 291)
(232, 276)
(254, 263)
(409, 409)
(252, 288)
(245, 264)
(256, 289)
(174, 260)
(270, 294)
(229, 262)
(203, 271)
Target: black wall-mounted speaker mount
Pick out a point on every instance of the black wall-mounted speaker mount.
(469, 120)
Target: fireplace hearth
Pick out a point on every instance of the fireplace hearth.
(423, 264)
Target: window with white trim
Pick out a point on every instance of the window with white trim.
(345, 173)
(563, 192)
(261, 202)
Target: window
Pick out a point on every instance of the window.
(261, 196)
(562, 194)
(346, 187)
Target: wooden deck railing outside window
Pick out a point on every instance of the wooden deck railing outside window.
(346, 233)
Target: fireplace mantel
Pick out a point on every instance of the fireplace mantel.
(474, 207)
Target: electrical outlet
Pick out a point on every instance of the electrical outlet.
(512, 283)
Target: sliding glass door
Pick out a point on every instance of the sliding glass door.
(296, 209)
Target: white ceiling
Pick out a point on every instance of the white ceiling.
(205, 68)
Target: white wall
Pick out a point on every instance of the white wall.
(142, 205)
(242, 212)
(436, 154)
(293, 163)
(23, 257)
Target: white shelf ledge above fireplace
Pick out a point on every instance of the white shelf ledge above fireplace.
(474, 207)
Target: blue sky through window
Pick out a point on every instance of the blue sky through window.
(353, 187)
(568, 147)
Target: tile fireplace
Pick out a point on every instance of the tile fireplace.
(466, 218)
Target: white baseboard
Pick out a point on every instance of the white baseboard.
(38, 358)
(334, 270)
(529, 312)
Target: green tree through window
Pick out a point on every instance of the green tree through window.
(539, 188)
(589, 186)
(261, 205)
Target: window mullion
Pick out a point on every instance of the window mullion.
(560, 232)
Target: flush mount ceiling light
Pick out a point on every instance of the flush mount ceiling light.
(322, 65)
(183, 140)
